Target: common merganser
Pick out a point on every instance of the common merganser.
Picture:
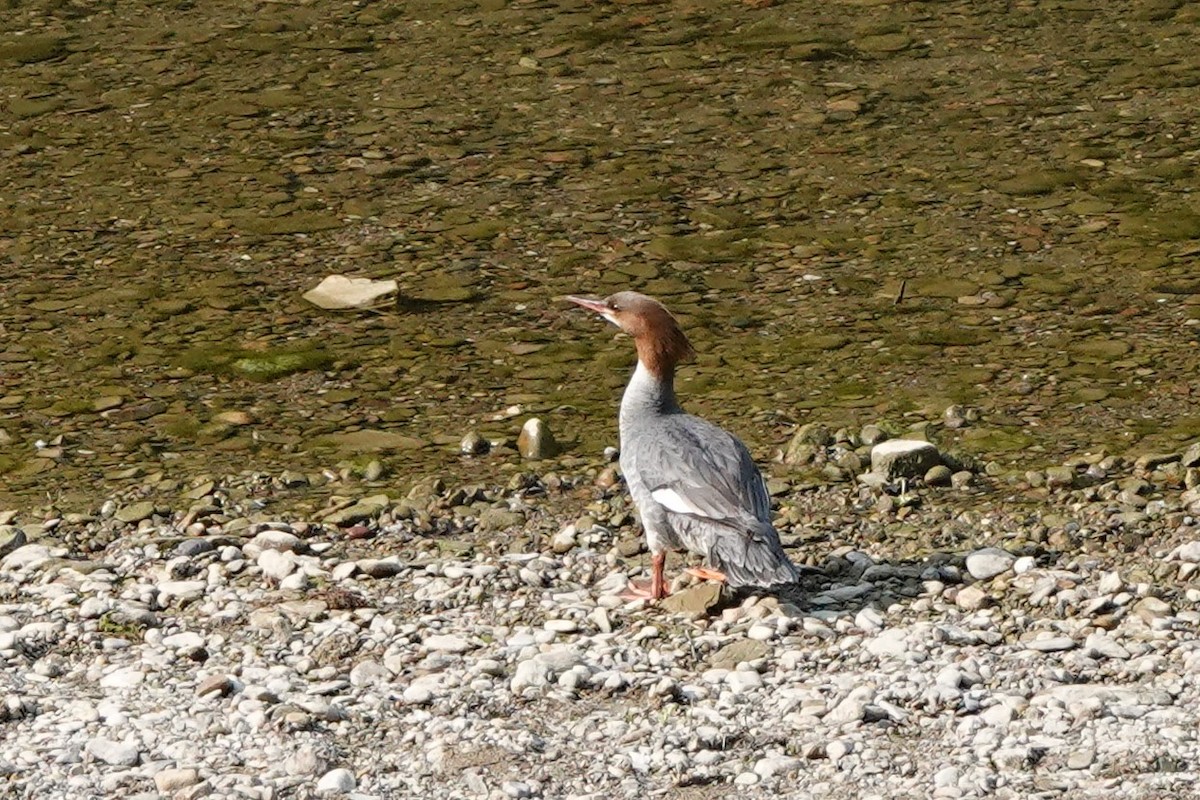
(695, 485)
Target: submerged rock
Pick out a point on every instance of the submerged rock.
(536, 441)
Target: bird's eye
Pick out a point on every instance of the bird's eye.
(613, 306)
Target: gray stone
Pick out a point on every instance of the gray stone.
(26, 557)
(1096, 693)
(564, 540)
(946, 777)
(852, 708)
(306, 760)
(989, 562)
(1101, 645)
(543, 668)
(123, 678)
(172, 780)
(184, 591)
(1151, 461)
(891, 642)
(1151, 608)
(530, 673)
(956, 417)
(473, 444)
(1060, 477)
(1052, 644)
(336, 781)
(276, 564)
(742, 681)
(365, 509)
(536, 441)
(517, 789)
(380, 567)
(963, 479)
(738, 652)
(695, 600)
(117, 754)
(938, 476)
(135, 512)
(11, 537)
(190, 548)
(872, 435)
(272, 540)
(499, 519)
(771, 766)
(904, 458)
(369, 673)
(183, 639)
(447, 643)
(971, 598)
(1191, 456)
(221, 685)
(94, 607)
(1189, 552)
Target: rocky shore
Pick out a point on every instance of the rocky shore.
(993, 637)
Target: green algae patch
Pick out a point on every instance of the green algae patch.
(1172, 226)
(31, 49)
(299, 222)
(1037, 181)
(255, 365)
(731, 246)
(1101, 350)
(951, 336)
(995, 440)
(370, 440)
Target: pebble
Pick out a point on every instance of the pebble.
(989, 562)
(218, 685)
(1101, 645)
(336, 781)
(776, 765)
(1051, 644)
(971, 598)
(412, 665)
(276, 564)
(536, 441)
(11, 537)
(117, 754)
(25, 557)
(135, 512)
(172, 780)
(447, 643)
(904, 458)
(742, 682)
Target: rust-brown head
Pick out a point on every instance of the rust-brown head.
(661, 344)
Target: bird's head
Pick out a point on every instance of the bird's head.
(661, 343)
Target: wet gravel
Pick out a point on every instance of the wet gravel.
(172, 179)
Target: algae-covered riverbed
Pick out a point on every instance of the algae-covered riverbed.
(174, 176)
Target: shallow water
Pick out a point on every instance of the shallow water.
(173, 178)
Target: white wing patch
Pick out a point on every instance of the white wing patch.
(673, 501)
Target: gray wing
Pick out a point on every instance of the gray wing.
(715, 498)
(691, 466)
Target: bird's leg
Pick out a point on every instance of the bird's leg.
(656, 589)
(706, 574)
(658, 584)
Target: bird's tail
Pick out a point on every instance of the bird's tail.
(755, 558)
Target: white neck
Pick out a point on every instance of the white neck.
(647, 395)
